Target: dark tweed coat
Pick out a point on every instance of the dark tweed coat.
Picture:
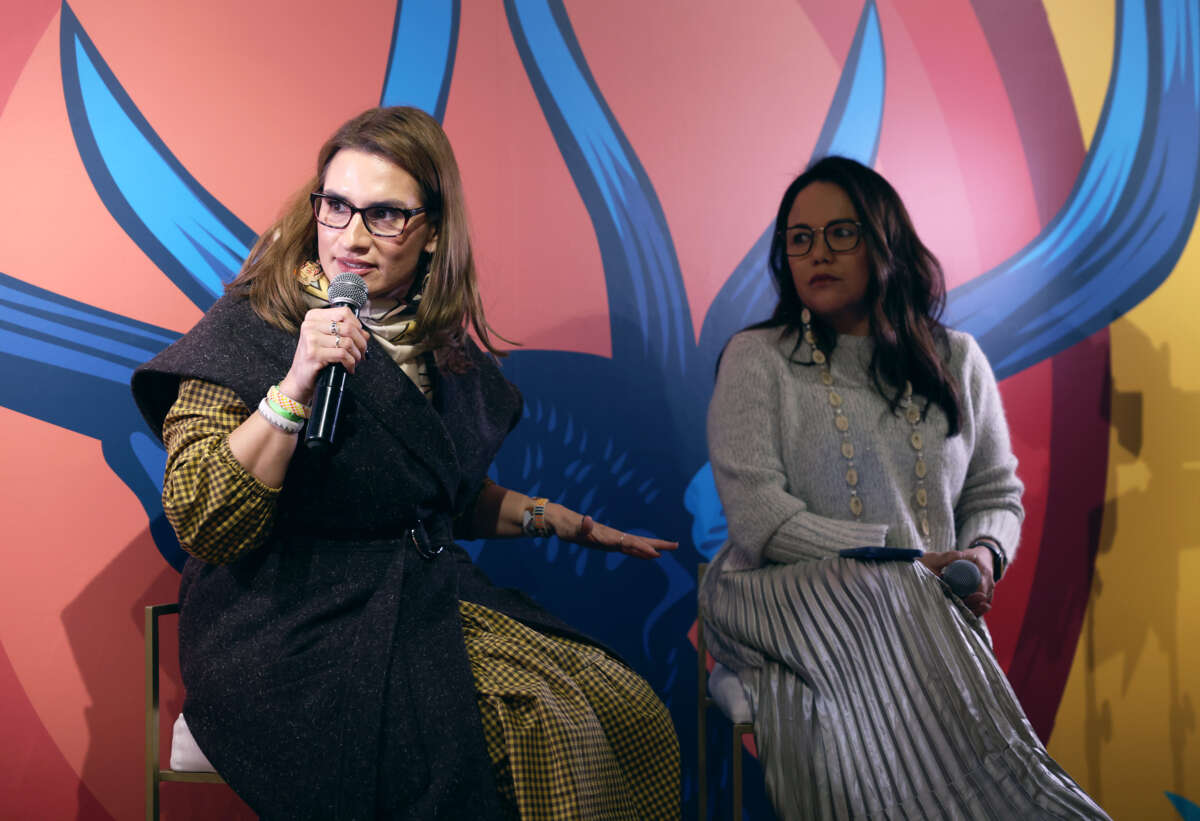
(325, 672)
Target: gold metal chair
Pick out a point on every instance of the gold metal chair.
(154, 774)
(703, 702)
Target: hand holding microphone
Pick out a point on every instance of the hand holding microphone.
(963, 577)
(329, 343)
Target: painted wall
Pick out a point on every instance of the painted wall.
(622, 163)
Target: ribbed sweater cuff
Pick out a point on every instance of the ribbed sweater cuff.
(808, 536)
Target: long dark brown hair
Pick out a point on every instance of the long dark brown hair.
(413, 140)
(906, 289)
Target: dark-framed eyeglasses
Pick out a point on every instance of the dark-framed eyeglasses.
(840, 236)
(379, 220)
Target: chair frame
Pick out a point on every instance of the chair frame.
(703, 702)
(154, 774)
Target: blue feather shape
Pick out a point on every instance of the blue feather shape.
(69, 364)
(1128, 218)
(648, 309)
(197, 242)
(1188, 810)
(421, 59)
(855, 117)
(852, 128)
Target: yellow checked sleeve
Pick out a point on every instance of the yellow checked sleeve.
(218, 509)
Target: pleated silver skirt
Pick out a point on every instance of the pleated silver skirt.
(876, 695)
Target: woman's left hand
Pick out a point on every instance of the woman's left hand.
(584, 530)
(979, 602)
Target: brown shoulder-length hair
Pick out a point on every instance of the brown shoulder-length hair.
(413, 140)
(906, 291)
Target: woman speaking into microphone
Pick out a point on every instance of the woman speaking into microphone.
(342, 656)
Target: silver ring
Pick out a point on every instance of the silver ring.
(333, 327)
(337, 342)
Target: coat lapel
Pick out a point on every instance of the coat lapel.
(382, 390)
(478, 408)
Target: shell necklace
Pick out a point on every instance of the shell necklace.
(908, 409)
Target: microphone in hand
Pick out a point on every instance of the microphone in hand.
(351, 291)
(962, 575)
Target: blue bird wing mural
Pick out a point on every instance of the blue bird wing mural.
(1129, 215)
(69, 364)
(647, 304)
(193, 239)
(197, 242)
(421, 58)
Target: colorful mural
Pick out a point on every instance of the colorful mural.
(622, 163)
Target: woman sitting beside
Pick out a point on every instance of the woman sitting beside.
(853, 418)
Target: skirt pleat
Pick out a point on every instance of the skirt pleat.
(876, 694)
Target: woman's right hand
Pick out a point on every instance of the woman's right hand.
(327, 335)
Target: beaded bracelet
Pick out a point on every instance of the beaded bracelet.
(286, 404)
(533, 522)
(278, 420)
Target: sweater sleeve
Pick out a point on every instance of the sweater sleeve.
(766, 522)
(990, 501)
(218, 509)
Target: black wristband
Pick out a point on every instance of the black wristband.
(999, 560)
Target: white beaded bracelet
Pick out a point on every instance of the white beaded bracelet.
(284, 424)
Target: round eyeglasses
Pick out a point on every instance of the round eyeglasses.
(379, 220)
(840, 236)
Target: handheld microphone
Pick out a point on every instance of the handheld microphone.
(962, 575)
(349, 290)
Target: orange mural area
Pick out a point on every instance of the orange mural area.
(622, 163)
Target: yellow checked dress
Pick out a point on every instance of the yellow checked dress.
(571, 732)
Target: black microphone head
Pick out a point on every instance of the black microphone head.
(348, 289)
(962, 575)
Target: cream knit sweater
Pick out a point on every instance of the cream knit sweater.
(780, 472)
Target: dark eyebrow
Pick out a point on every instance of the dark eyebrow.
(381, 204)
(831, 222)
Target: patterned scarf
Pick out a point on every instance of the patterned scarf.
(391, 320)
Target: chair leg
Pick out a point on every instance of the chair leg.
(737, 774)
(152, 769)
(702, 762)
(151, 639)
(739, 731)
